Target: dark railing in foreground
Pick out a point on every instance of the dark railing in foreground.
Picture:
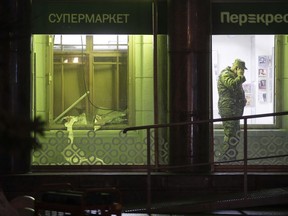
(245, 159)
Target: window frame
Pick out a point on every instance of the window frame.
(275, 88)
(89, 54)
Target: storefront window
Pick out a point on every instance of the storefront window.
(88, 88)
(264, 57)
(258, 53)
(89, 85)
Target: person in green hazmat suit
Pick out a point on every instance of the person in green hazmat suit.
(231, 103)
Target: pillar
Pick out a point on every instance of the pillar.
(15, 47)
(15, 75)
(190, 48)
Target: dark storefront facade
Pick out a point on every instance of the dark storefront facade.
(161, 92)
(98, 67)
(94, 70)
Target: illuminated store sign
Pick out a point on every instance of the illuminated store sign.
(250, 18)
(135, 17)
(95, 17)
(54, 18)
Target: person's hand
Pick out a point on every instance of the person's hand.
(240, 72)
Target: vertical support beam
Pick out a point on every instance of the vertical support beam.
(17, 55)
(155, 78)
(245, 150)
(149, 197)
(190, 48)
(5, 18)
(15, 61)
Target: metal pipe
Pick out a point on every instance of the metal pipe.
(70, 107)
(245, 159)
(204, 121)
(148, 171)
(155, 83)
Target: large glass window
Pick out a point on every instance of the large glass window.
(264, 57)
(89, 81)
(88, 88)
(258, 53)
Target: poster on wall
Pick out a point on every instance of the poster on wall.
(264, 80)
(249, 92)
